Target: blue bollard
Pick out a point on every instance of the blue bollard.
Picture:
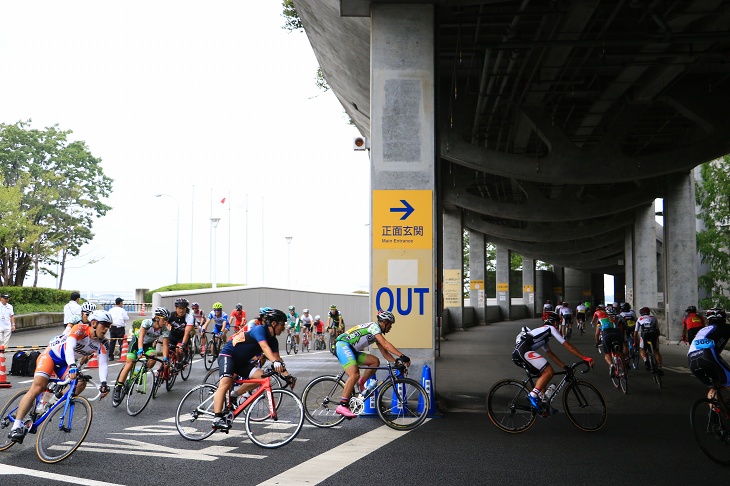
(369, 405)
(427, 384)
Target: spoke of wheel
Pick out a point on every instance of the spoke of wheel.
(63, 430)
(509, 407)
(271, 432)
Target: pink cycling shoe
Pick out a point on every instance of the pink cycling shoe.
(345, 412)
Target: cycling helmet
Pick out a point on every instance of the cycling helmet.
(552, 317)
(333, 307)
(306, 311)
(194, 305)
(691, 308)
(644, 311)
(88, 307)
(317, 317)
(162, 312)
(101, 316)
(625, 307)
(181, 302)
(239, 307)
(386, 316)
(291, 307)
(719, 311)
(600, 307)
(710, 312)
(274, 315)
(549, 302)
(217, 306)
(565, 304)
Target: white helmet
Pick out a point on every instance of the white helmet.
(306, 311)
(88, 307)
(101, 316)
(316, 318)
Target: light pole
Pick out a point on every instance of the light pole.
(288, 240)
(214, 222)
(177, 235)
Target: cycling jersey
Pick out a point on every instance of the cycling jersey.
(527, 342)
(293, 322)
(307, 320)
(219, 321)
(581, 309)
(150, 333)
(64, 350)
(319, 326)
(237, 355)
(335, 318)
(361, 336)
(629, 318)
(646, 324)
(704, 357)
(179, 323)
(605, 321)
(238, 318)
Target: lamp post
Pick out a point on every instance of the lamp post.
(214, 222)
(288, 240)
(177, 235)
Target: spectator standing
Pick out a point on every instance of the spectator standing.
(7, 319)
(119, 323)
(71, 310)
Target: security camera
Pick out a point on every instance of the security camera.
(360, 143)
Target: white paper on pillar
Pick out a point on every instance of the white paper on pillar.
(403, 273)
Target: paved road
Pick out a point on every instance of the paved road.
(646, 440)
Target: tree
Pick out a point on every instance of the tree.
(712, 194)
(57, 186)
(292, 21)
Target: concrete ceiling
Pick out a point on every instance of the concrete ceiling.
(555, 114)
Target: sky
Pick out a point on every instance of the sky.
(199, 101)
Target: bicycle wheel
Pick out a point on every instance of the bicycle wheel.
(140, 392)
(195, 344)
(269, 432)
(187, 366)
(159, 378)
(635, 357)
(584, 405)
(333, 348)
(194, 416)
(172, 373)
(614, 375)
(711, 428)
(210, 354)
(212, 377)
(622, 375)
(403, 406)
(7, 418)
(509, 408)
(320, 398)
(653, 365)
(62, 433)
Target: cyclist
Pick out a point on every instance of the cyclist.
(580, 316)
(647, 329)
(259, 321)
(307, 321)
(704, 358)
(349, 350)
(236, 358)
(692, 322)
(198, 321)
(219, 319)
(629, 317)
(149, 333)
(334, 322)
(610, 329)
(546, 308)
(181, 324)
(294, 323)
(319, 329)
(60, 357)
(238, 317)
(524, 355)
(566, 319)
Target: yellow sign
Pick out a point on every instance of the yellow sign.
(528, 288)
(402, 219)
(476, 284)
(453, 294)
(502, 287)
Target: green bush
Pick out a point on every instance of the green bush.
(36, 295)
(136, 324)
(185, 286)
(20, 309)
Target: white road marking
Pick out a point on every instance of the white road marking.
(21, 471)
(325, 465)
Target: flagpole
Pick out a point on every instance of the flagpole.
(192, 233)
(210, 240)
(246, 239)
(229, 236)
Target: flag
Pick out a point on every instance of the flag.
(223, 201)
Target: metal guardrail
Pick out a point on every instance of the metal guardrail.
(127, 306)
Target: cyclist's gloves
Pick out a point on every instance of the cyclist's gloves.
(72, 369)
(104, 389)
(139, 353)
(291, 381)
(598, 345)
(404, 358)
(588, 360)
(279, 366)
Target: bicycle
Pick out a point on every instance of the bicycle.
(634, 355)
(143, 384)
(273, 417)
(509, 406)
(653, 367)
(619, 376)
(212, 350)
(402, 403)
(305, 341)
(319, 343)
(710, 421)
(196, 345)
(61, 426)
(212, 378)
(291, 343)
(176, 367)
(333, 339)
(581, 324)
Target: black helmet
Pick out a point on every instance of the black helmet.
(719, 311)
(162, 312)
(625, 307)
(644, 311)
(239, 307)
(181, 302)
(552, 317)
(274, 315)
(691, 308)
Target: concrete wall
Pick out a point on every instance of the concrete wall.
(355, 308)
(39, 320)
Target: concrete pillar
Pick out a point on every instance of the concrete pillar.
(619, 286)
(528, 286)
(573, 286)
(559, 284)
(453, 257)
(702, 268)
(403, 161)
(645, 258)
(629, 265)
(681, 246)
(478, 276)
(503, 270)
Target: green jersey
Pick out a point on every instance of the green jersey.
(362, 336)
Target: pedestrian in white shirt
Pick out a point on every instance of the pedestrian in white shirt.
(72, 310)
(7, 320)
(116, 332)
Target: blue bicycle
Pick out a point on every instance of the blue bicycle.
(61, 426)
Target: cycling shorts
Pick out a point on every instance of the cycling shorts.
(630, 332)
(568, 318)
(709, 367)
(581, 316)
(610, 336)
(149, 349)
(348, 356)
(47, 366)
(176, 337)
(217, 328)
(228, 366)
(531, 360)
(652, 336)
